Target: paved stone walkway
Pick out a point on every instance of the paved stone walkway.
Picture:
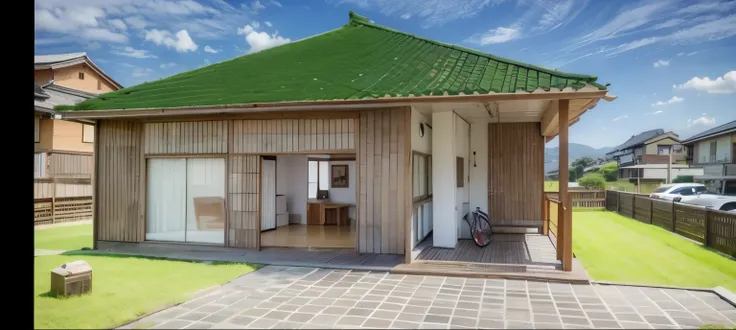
(294, 297)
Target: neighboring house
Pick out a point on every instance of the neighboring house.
(656, 173)
(63, 149)
(715, 151)
(423, 131)
(650, 147)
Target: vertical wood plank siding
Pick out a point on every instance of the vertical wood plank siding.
(118, 199)
(244, 202)
(293, 135)
(70, 165)
(382, 214)
(515, 174)
(194, 137)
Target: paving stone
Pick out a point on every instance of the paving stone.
(287, 308)
(544, 318)
(467, 305)
(267, 305)
(335, 310)
(605, 324)
(324, 319)
(463, 321)
(654, 319)
(387, 315)
(600, 315)
(200, 325)
(377, 323)
(404, 325)
(574, 320)
(209, 309)
(263, 323)
(518, 325)
(288, 325)
(436, 319)
(440, 311)
(490, 324)
(351, 321)
(322, 301)
(466, 313)
(415, 309)
(173, 324)
(410, 317)
(215, 318)
(571, 312)
(192, 316)
(311, 309)
(359, 312)
(427, 325)
(629, 317)
(397, 300)
(345, 302)
(241, 320)
(367, 304)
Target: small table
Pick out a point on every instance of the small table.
(316, 210)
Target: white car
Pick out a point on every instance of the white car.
(711, 201)
(670, 191)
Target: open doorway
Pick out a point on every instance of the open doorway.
(315, 202)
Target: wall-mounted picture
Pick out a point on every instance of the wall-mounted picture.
(340, 176)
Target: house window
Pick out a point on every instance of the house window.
(663, 150)
(460, 171)
(713, 147)
(186, 200)
(39, 165)
(36, 129)
(81, 76)
(319, 177)
(422, 176)
(99, 85)
(88, 133)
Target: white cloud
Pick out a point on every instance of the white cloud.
(625, 21)
(141, 72)
(276, 3)
(703, 120)
(209, 49)
(661, 64)
(720, 85)
(433, 12)
(135, 53)
(182, 42)
(259, 41)
(167, 65)
(495, 36)
(137, 22)
(620, 117)
(557, 14)
(83, 22)
(654, 113)
(268, 23)
(704, 7)
(674, 99)
(257, 5)
(118, 24)
(245, 30)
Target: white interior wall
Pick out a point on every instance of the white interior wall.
(291, 181)
(478, 165)
(462, 194)
(421, 143)
(444, 213)
(344, 195)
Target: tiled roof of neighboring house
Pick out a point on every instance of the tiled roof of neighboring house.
(725, 128)
(59, 95)
(56, 58)
(359, 60)
(638, 139)
(38, 92)
(55, 61)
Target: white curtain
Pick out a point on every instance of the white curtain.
(166, 199)
(268, 197)
(205, 177)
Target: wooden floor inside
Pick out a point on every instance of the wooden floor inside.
(510, 256)
(310, 236)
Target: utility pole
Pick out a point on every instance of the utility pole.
(669, 165)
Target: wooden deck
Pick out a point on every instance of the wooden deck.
(510, 256)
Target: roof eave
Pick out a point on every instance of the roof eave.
(327, 104)
(76, 61)
(691, 141)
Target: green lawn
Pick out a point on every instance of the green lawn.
(615, 248)
(72, 237)
(123, 288)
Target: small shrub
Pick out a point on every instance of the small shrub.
(610, 171)
(592, 181)
(683, 179)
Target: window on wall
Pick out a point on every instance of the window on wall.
(99, 85)
(186, 200)
(81, 76)
(36, 129)
(422, 176)
(88, 133)
(663, 150)
(319, 177)
(713, 148)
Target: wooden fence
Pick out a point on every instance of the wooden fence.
(64, 209)
(584, 198)
(713, 228)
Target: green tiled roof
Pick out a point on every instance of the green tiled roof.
(358, 60)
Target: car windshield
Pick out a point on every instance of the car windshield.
(661, 189)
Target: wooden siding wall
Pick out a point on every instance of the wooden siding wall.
(119, 207)
(515, 174)
(384, 156)
(243, 202)
(70, 165)
(293, 135)
(200, 137)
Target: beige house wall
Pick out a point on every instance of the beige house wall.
(651, 149)
(46, 133)
(67, 136)
(69, 77)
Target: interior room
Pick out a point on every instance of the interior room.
(313, 205)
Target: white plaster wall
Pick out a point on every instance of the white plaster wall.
(443, 180)
(723, 149)
(462, 194)
(344, 195)
(291, 181)
(479, 172)
(421, 144)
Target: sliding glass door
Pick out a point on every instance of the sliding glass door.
(186, 200)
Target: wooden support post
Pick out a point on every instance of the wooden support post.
(706, 225)
(545, 215)
(564, 242)
(95, 188)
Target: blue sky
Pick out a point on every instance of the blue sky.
(671, 63)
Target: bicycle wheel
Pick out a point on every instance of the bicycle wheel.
(485, 223)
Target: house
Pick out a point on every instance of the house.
(656, 173)
(715, 151)
(650, 147)
(63, 149)
(405, 133)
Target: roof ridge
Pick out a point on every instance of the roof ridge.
(356, 20)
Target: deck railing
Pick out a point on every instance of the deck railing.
(713, 228)
(584, 198)
(421, 220)
(552, 216)
(55, 210)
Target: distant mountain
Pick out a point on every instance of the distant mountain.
(575, 151)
